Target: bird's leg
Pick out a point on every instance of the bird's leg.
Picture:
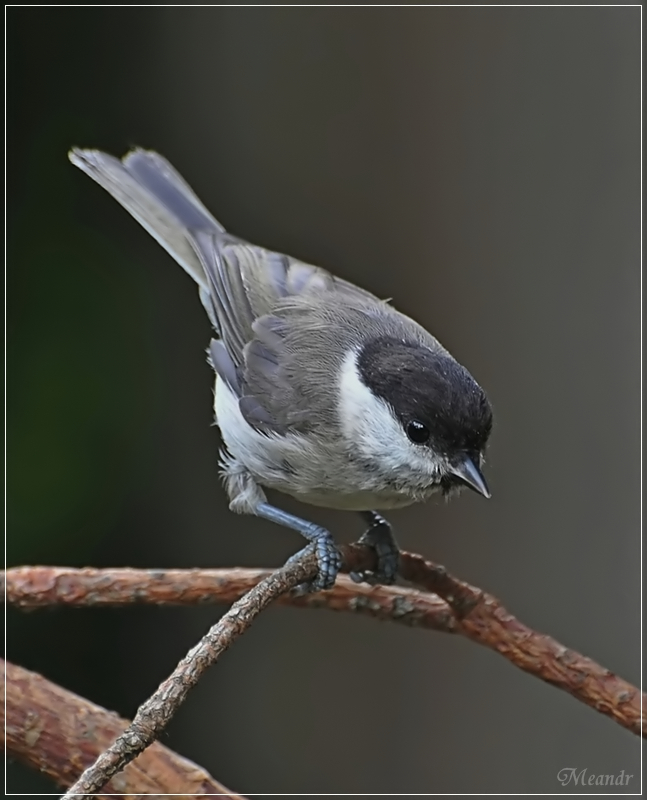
(380, 537)
(326, 552)
(247, 497)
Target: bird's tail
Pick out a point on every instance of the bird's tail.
(158, 197)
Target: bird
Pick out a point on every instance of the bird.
(323, 391)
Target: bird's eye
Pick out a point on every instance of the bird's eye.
(417, 432)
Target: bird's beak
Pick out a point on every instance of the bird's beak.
(471, 475)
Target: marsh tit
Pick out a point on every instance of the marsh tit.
(323, 391)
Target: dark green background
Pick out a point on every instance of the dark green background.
(480, 166)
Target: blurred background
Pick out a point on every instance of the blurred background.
(478, 165)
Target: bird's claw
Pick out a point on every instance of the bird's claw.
(328, 563)
(380, 538)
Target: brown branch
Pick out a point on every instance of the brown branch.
(155, 713)
(59, 734)
(482, 618)
(40, 587)
(463, 609)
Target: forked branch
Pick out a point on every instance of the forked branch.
(447, 604)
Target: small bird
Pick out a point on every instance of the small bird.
(323, 391)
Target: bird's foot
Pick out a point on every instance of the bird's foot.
(380, 537)
(321, 543)
(328, 563)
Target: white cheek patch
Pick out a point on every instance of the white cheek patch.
(370, 426)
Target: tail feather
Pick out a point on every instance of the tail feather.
(165, 183)
(152, 191)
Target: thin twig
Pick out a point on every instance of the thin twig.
(154, 714)
(464, 610)
(59, 733)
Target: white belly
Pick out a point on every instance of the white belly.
(357, 501)
(317, 473)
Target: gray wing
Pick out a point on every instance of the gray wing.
(288, 318)
(269, 309)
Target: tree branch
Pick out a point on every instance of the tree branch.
(155, 713)
(463, 609)
(59, 733)
(482, 618)
(41, 587)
